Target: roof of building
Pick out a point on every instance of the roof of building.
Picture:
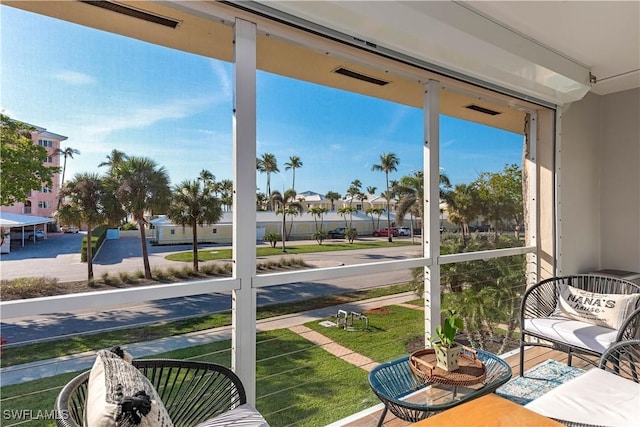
(8, 220)
(269, 216)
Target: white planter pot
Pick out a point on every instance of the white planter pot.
(447, 357)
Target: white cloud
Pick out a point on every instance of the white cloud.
(100, 126)
(74, 78)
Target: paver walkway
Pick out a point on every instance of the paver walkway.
(337, 350)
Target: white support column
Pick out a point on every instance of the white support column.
(243, 341)
(431, 206)
(558, 188)
(531, 163)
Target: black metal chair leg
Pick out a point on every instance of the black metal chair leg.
(384, 414)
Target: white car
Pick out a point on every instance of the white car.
(404, 231)
(28, 235)
(70, 229)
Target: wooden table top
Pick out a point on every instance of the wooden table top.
(488, 411)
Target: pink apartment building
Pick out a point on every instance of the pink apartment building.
(43, 202)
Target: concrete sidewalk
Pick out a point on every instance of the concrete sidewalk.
(83, 361)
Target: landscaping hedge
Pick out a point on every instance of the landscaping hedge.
(98, 235)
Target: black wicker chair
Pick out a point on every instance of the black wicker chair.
(192, 392)
(540, 301)
(623, 359)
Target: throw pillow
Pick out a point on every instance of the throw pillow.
(608, 310)
(120, 395)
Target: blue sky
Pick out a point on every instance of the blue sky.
(104, 91)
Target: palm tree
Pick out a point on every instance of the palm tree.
(226, 194)
(85, 194)
(285, 204)
(463, 206)
(388, 163)
(318, 213)
(142, 187)
(267, 164)
(293, 163)
(261, 201)
(68, 152)
(193, 204)
(114, 159)
(206, 176)
(411, 190)
(371, 190)
(332, 196)
(354, 190)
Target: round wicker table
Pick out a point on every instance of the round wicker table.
(470, 371)
(394, 383)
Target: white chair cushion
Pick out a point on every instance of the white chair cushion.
(244, 415)
(596, 398)
(573, 332)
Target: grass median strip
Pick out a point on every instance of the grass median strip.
(222, 254)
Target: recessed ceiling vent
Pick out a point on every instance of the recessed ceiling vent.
(483, 110)
(356, 75)
(135, 13)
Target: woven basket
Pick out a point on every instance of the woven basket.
(423, 366)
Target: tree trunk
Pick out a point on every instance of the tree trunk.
(89, 254)
(284, 231)
(145, 251)
(194, 227)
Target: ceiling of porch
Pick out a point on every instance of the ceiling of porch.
(204, 28)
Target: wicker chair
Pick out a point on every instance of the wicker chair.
(537, 318)
(623, 359)
(192, 392)
(609, 396)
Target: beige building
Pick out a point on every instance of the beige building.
(164, 232)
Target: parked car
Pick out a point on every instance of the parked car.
(404, 231)
(339, 233)
(384, 232)
(28, 235)
(69, 229)
(483, 228)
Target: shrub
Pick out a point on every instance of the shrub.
(128, 226)
(127, 278)
(161, 275)
(272, 238)
(98, 235)
(108, 280)
(29, 287)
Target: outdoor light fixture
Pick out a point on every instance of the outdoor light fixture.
(134, 13)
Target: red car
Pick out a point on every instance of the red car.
(385, 232)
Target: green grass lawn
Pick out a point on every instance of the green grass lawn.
(222, 254)
(30, 353)
(389, 333)
(297, 381)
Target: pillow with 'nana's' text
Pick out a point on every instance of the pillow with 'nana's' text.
(608, 310)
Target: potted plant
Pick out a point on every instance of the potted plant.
(446, 349)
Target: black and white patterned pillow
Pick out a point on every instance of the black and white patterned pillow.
(120, 395)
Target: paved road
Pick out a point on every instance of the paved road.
(124, 254)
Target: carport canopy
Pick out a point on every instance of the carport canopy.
(10, 220)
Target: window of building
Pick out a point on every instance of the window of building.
(45, 143)
(46, 190)
(44, 205)
(49, 159)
